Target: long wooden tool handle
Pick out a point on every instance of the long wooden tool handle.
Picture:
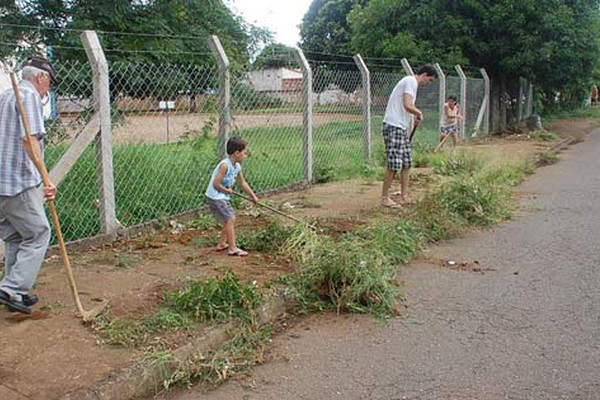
(33, 154)
(440, 144)
(271, 208)
(412, 133)
(46, 179)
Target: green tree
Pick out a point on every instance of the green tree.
(325, 30)
(276, 55)
(552, 42)
(174, 31)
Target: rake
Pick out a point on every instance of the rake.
(275, 210)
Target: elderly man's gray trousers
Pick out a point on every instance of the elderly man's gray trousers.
(25, 230)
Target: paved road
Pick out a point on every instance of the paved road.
(528, 330)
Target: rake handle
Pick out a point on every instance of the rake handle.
(270, 208)
(412, 133)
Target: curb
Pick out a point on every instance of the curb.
(145, 377)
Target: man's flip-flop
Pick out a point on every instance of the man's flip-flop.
(238, 253)
(222, 248)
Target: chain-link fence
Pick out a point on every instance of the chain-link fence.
(168, 123)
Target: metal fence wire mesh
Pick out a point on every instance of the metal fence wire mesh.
(267, 111)
(166, 120)
(71, 108)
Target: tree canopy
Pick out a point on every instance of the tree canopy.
(325, 30)
(173, 31)
(276, 55)
(552, 42)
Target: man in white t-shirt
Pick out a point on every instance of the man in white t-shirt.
(398, 118)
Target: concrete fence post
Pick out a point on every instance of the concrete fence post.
(307, 123)
(463, 100)
(442, 95)
(224, 92)
(100, 77)
(366, 106)
(407, 68)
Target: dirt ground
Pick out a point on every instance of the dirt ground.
(52, 352)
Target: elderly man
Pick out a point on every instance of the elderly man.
(24, 227)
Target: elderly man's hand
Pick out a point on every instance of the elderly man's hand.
(49, 192)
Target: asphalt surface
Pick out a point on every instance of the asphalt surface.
(526, 328)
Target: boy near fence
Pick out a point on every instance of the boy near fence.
(450, 121)
(219, 191)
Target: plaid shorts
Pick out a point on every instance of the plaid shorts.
(398, 150)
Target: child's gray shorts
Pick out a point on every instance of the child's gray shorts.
(221, 209)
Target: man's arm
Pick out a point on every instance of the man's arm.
(33, 150)
(409, 105)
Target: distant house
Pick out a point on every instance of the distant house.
(284, 83)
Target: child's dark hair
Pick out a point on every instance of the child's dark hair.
(452, 98)
(235, 144)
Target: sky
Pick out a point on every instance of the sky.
(282, 17)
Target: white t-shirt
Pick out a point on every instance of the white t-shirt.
(395, 113)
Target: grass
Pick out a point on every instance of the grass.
(583, 112)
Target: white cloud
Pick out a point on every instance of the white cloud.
(280, 16)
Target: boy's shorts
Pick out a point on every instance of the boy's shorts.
(445, 130)
(221, 209)
(398, 150)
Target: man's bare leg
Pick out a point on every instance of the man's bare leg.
(388, 177)
(404, 178)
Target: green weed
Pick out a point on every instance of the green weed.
(349, 275)
(398, 240)
(508, 174)
(242, 351)
(544, 136)
(301, 243)
(470, 198)
(269, 239)
(210, 301)
(216, 299)
(203, 222)
(459, 163)
(126, 333)
(547, 158)
(432, 219)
